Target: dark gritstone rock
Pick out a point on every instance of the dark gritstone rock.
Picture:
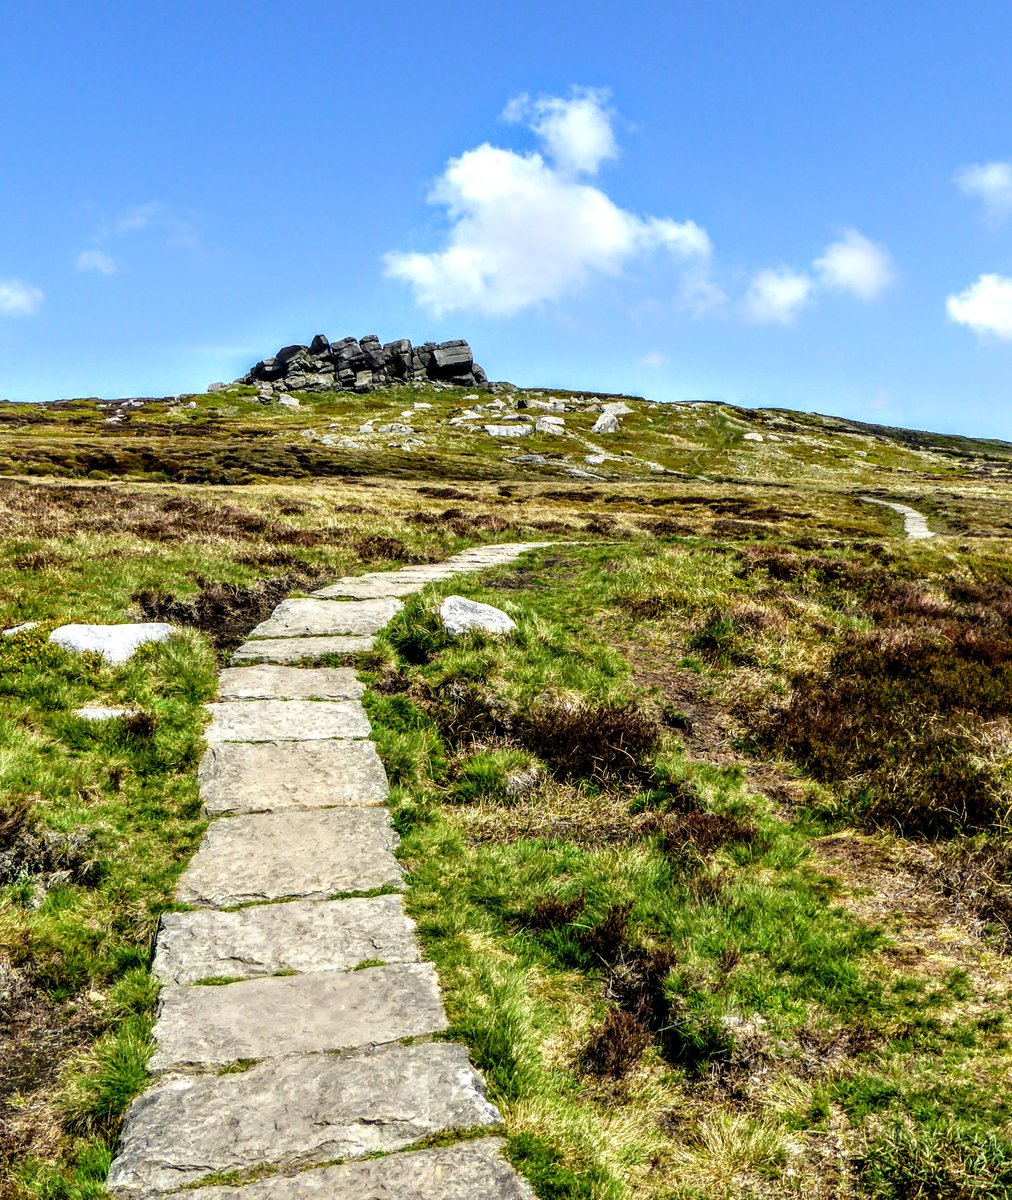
(364, 364)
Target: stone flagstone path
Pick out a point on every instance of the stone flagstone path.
(295, 1016)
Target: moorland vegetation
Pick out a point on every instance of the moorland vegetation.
(711, 855)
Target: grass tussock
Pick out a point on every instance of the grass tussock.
(608, 819)
(667, 995)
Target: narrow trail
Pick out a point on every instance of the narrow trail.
(914, 523)
(296, 1017)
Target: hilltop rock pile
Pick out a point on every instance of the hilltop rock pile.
(362, 365)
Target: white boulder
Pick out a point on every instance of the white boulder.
(22, 628)
(606, 423)
(116, 643)
(99, 712)
(508, 431)
(289, 402)
(460, 616)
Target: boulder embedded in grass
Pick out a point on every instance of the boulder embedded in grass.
(460, 616)
(116, 643)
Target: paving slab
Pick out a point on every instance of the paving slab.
(471, 1171)
(270, 682)
(285, 720)
(291, 856)
(365, 587)
(294, 650)
(293, 1112)
(208, 1027)
(302, 936)
(255, 777)
(312, 616)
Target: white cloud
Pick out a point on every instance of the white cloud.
(525, 229)
(777, 296)
(991, 183)
(97, 261)
(576, 133)
(698, 294)
(154, 218)
(856, 265)
(985, 306)
(655, 359)
(18, 299)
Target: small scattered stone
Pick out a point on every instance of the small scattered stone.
(460, 616)
(22, 628)
(508, 431)
(100, 712)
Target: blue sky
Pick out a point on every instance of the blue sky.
(771, 202)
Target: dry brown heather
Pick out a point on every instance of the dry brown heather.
(712, 858)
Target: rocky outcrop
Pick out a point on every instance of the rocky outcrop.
(362, 365)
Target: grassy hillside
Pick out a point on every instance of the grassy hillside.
(712, 857)
(228, 437)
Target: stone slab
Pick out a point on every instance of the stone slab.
(306, 618)
(291, 856)
(470, 1171)
(370, 587)
(208, 1027)
(293, 1112)
(270, 682)
(302, 936)
(253, 777)
(294, 650)
(285, 720)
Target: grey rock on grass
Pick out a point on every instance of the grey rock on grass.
(460, 616)
(116, 643)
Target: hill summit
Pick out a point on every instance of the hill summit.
(362, 365)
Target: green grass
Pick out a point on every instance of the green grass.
(623, 871)
(666, 887)
(99, 817)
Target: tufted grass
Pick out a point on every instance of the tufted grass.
(770, 1032)
(600, 815)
